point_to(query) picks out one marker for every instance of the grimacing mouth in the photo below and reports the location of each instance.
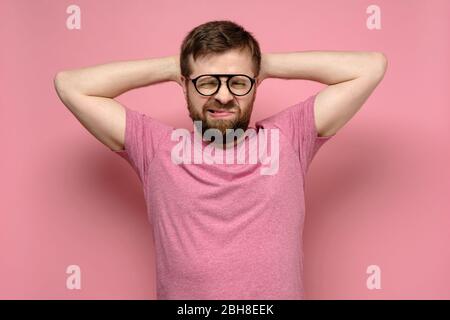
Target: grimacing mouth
(213, 110)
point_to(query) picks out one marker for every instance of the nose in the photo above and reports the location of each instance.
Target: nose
(224, 95)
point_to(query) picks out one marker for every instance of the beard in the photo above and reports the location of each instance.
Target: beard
(239, 120)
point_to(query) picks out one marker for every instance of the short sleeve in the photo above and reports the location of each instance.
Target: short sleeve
(143, 136)
(297, 124)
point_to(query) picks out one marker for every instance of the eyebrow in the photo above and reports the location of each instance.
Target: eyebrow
(221, 74)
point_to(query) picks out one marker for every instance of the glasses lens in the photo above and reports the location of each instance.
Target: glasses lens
(207, 85)
(239, 85)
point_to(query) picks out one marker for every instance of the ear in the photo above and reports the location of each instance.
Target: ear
(183, 84)
(258, 81)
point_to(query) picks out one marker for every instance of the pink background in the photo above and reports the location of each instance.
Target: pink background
(377, 194)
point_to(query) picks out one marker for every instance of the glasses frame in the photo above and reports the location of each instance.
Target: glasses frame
(220, 75)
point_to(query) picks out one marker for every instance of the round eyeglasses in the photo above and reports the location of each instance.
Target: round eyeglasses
(209, 84)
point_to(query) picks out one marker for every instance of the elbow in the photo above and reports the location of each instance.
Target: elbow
(62, 81)
(380, 63)
(59, 78)
(61, 85)
(382, 60)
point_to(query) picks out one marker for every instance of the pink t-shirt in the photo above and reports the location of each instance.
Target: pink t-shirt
(226, 231)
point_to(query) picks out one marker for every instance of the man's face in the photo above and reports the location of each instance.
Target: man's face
(230, 62)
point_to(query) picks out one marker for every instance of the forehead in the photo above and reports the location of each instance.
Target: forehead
(232, 61)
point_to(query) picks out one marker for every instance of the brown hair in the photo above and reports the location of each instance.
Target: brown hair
(217, 37)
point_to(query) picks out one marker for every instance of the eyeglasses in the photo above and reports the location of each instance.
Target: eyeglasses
(209, 84)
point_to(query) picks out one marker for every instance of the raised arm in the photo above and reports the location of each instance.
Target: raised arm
(351, 77)
(89, 93)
